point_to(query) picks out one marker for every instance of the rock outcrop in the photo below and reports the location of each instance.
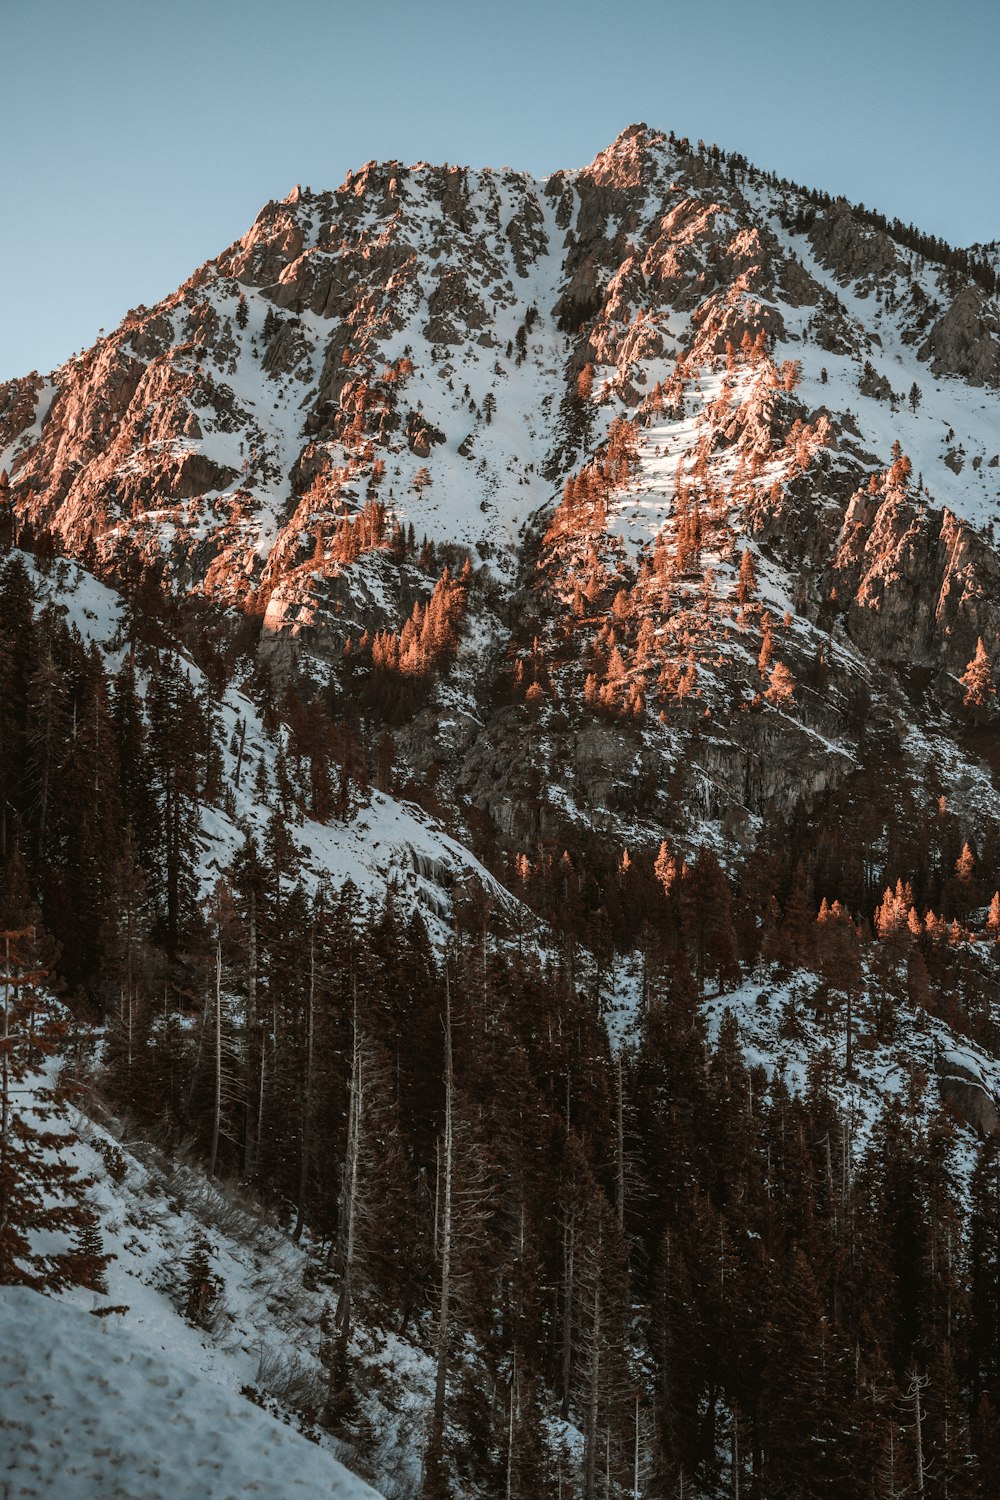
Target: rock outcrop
(962, 1086)
(965, 340)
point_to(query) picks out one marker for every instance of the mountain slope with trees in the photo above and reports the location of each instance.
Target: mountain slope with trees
(499, 763)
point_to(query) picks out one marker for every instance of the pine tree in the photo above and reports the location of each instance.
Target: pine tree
(708, 919)
(201, 1287)
(984, 1268)
(48, 736)
(993, 917)
(176, 737)
(248, 879)
(87, 819)
(603, 1383)
(781, 686)
(41, 1191)
(815, 1442)
(746, 583)
(89, 1257)
(435, 1480)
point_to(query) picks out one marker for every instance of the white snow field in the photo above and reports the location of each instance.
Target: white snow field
(87, 1412)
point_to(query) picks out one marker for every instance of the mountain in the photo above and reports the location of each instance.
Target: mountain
(409, 352)
(501, 741)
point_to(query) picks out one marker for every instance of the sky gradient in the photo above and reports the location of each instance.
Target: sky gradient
(139, 140)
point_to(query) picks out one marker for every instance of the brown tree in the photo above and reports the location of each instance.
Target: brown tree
(746, 583)
(781, 687)
(979, 687)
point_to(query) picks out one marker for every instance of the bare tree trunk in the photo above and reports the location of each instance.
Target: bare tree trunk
(129, 915)
(349, 1195)
(306, 1094)
(736, 1455)
(441, 1378)
(437, 1198)
(620, 1142)
(5, 1105)
(125, 1020)
(510, 1428)
(569, 1245)
(251, 1139)
(260, 1097)
(635, 1466)
(593, 1396)
(217, 1109)
(918, 1385)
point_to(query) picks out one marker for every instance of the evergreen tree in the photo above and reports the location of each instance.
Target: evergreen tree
(984, 1269)
(176, 737)
(41, 1191)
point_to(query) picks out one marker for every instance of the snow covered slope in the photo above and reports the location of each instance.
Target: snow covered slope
(131, 1391)
(381, 842)
(89, 1411)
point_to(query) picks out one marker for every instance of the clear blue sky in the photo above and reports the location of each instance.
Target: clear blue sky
(140, 138)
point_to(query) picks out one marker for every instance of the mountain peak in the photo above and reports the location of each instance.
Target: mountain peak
(626, 162)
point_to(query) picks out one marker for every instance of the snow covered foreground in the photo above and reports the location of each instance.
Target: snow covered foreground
(89, 1413)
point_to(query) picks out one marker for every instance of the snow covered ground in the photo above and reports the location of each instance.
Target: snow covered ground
(383, 842)
(88, 1411)
(97, 1406)
(906, 1064)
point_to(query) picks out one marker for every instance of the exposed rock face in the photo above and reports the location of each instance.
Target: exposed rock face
(18, 405)
(962, 1085)
(455, 310)
(434, 352)
(966, 340)
(850, 249)
(421, 434)
(924, 585)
